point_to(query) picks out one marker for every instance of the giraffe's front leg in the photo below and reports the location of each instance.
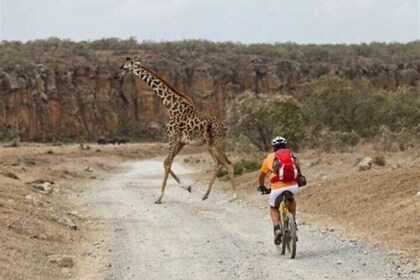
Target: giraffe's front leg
(165, 178)
(167, 165)
(187, 188)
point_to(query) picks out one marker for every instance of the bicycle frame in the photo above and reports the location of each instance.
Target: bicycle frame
(287, 226)
(283, 208)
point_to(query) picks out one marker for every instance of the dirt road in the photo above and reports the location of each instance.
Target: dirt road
(186, 238)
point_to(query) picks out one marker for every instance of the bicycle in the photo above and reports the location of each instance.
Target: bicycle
(287, 225)
(287, 222)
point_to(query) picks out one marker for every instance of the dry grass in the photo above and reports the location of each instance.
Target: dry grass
(380, 206)
(29, 233)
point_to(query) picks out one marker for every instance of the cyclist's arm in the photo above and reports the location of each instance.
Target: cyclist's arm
(261, 178)
(263, 172)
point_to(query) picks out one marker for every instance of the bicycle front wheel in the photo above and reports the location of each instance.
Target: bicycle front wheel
(289, 236)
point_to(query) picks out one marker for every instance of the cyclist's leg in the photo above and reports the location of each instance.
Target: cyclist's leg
(292, 202)
(292, 207)
(274, 206)
(275, 215)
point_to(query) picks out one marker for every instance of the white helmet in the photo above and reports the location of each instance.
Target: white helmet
(278, 141)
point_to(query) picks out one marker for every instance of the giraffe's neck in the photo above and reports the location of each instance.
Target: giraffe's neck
(171, 100)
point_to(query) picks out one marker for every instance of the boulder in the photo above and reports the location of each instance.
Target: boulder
(365, 164)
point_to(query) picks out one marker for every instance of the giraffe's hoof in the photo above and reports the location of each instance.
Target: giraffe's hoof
(158, 201)
(205, 197)
(235, 197)
(188, 189)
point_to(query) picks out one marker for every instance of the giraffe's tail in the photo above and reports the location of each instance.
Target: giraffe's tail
(209, 131)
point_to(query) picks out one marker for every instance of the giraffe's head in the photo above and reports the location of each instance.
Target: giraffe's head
(125, 69)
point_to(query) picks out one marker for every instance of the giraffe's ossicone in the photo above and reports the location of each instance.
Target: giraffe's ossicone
(186, 125)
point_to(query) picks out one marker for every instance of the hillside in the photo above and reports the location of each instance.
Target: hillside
(58, 90)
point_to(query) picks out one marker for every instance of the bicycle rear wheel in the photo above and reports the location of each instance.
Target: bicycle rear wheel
(289, 236)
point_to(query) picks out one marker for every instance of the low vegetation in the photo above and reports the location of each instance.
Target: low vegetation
(259, 117)
(390, 52)
(332, 114)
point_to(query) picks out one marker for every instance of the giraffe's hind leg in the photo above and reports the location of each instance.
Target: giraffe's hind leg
(229, 168)
(221, 160)
(212, 179)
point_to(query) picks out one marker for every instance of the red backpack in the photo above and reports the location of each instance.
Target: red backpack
(284, 167)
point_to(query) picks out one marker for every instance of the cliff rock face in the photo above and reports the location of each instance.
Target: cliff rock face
(81, 101)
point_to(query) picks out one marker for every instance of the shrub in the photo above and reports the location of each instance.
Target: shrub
(221, 173)
(393, 141)
(251, 165)
(401, 110)
(339, 105)
(333, 141)
(379, 160)
(260, 118)
(238, 168)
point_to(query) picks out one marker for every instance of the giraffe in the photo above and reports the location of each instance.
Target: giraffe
(186, 126)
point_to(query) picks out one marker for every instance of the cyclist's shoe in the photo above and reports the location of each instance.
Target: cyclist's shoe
(277, 237)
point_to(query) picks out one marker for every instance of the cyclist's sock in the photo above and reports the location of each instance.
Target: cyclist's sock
(276, 227)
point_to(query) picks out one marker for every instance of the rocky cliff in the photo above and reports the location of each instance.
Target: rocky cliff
(77, 99)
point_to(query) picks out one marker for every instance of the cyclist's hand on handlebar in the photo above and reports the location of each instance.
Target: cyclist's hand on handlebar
(264, 190)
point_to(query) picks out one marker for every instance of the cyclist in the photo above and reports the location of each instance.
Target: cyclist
(272, 165)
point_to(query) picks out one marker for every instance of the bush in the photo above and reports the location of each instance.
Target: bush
(335, 141)
(260, 118)
(401, 110)
(379, 160)
(334, 104)
(240, 167)
(393, 141)
(339, 105)
(251, 165)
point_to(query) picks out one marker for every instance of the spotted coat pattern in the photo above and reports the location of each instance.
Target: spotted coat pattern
(186, 126)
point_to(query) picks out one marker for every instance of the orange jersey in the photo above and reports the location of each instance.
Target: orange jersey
(267, 167)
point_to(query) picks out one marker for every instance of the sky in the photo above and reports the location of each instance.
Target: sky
(244, 21)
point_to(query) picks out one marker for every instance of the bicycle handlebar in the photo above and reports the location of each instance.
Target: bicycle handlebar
(264, 190)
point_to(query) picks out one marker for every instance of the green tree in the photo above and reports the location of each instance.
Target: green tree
(259, 118)
(339, 105)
